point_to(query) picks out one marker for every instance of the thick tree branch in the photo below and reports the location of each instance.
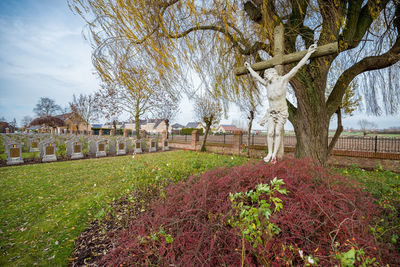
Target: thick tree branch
(257, 9)
(359, 21)
(296, 21)
(353, 12)
(308, 35)
(369, 63)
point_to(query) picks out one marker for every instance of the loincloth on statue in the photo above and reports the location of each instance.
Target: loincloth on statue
(278, 116)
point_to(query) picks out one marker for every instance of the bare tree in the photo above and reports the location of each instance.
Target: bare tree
(167, 109)
(46, 107)
(366, 125)
(209, 111)
(84, 107)
(248, 103)
(13, 125)
(26, 120)
(173, 32)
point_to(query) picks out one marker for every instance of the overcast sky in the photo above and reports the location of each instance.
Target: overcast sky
(43, 54)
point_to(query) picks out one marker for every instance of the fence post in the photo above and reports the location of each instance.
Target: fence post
(376, 143)
(224, 138)
(195, 139)
(237, 141)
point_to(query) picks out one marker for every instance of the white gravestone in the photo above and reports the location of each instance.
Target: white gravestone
(14, 153)
(74, 149)
(165, 144)
(48, 151)
(153, 145)
(121, 147)
(138, 144)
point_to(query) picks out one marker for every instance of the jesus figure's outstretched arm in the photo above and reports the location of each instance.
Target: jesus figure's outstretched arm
(301, 63)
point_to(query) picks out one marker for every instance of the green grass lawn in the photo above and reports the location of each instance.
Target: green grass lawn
(385, 187)
(44, 207)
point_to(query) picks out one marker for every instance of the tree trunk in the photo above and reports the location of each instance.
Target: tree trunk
(203, 145)
(167, 126)
(312, 139)
(311, 125)
(311, 119)
(137, 127)
(251, 118)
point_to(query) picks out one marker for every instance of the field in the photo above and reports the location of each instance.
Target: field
(44, 207)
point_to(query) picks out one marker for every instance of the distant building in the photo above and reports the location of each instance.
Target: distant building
(97, 125)
(226, 128)
(3, 126)
(110, 125)
(59, 123)
(153, 126)
(72, 122)
(177, 126)
(195, 125)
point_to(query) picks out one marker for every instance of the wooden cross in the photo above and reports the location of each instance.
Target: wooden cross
(281, 59)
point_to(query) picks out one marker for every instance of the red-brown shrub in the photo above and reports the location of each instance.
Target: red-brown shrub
(321, 215)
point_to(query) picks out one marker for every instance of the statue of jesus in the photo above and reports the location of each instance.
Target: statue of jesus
(277, 113)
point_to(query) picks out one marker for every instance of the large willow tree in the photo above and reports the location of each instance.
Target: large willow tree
(174, 32)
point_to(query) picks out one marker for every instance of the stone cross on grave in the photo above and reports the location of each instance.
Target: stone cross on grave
(276, 83)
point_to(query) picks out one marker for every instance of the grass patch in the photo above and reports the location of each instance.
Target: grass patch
(385, 187)
(44, 207)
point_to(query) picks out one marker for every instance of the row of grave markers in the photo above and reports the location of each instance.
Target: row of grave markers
(98, 147)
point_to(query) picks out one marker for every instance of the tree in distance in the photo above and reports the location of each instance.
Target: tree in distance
(209, 111)
(46, 107)
(366, 126)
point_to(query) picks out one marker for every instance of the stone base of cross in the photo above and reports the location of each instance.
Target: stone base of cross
(281, 59)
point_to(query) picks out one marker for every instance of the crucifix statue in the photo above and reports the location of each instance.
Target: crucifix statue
(276, 84)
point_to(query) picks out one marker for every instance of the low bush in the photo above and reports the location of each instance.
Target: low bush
(323, 219)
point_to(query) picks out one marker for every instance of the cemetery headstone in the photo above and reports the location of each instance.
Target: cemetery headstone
(138, 146)
(121, 147)
(74, 149)
(34, 145)
(14, 153)
(48, 151)
(153, 145)
(165, 145)
(98, 148)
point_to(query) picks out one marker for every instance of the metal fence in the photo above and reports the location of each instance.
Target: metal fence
(349, 143)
